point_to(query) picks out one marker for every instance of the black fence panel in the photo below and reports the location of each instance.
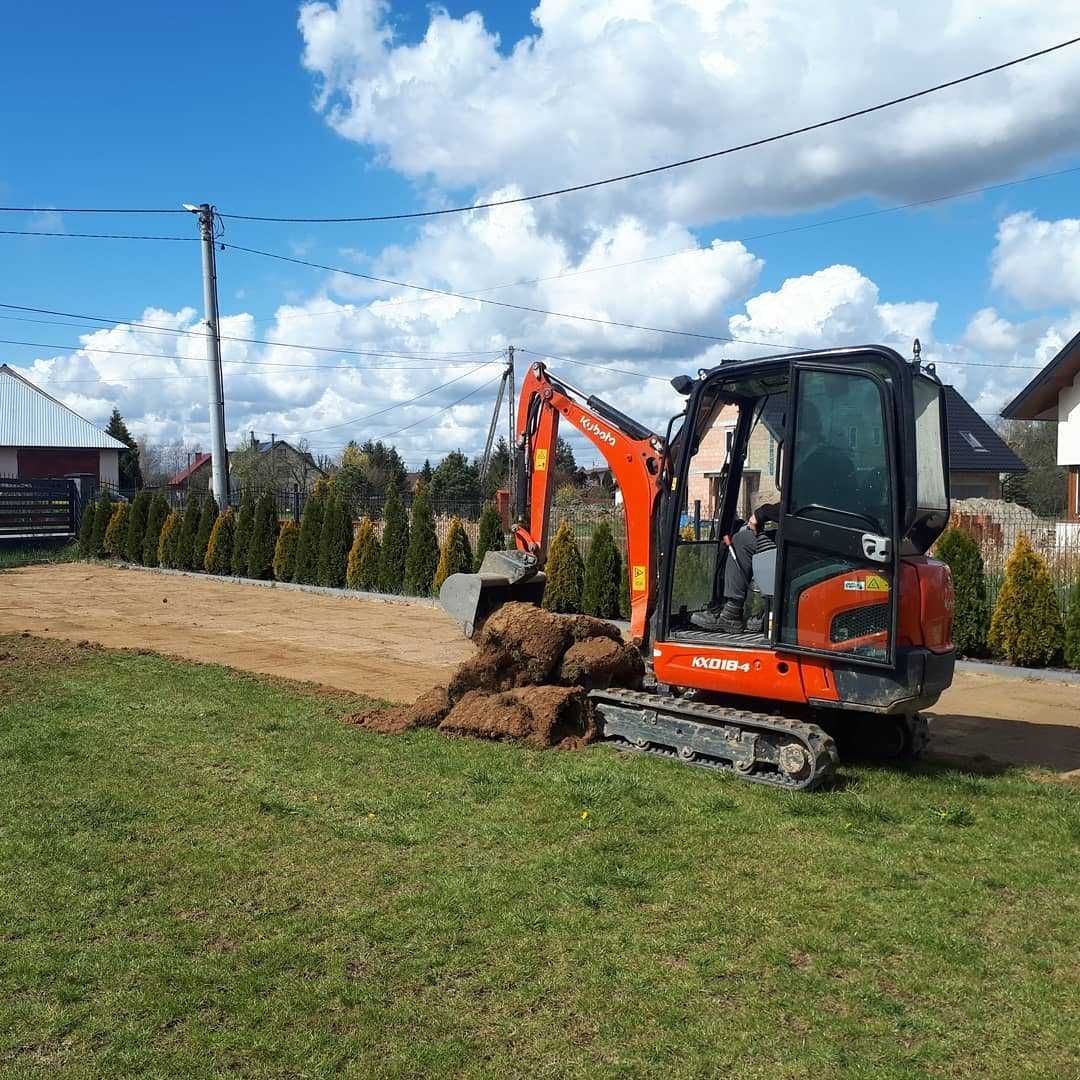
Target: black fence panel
(38, 508)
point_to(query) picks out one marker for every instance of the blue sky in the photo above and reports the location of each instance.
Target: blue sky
(131, 104)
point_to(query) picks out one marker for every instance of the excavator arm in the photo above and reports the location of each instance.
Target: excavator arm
(636, 456)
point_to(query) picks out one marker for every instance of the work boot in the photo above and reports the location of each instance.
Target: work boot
(727, 620)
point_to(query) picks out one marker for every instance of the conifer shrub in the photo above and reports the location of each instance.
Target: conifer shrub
(367, 562)
(1072, 627)
(307, 544)
(140, 510)
(334, 542)
(168, 553)
(456, 554)
(102, 517)
(624, 590)
(185, 542)
(86, 529)
(395, 545)
(971, 615)
(155, 522)
(219, 548)
(208, 516)
(242, 534)
(361, 545)
(603, 568)
(285, 551)
(491, 536)
(116, 531)
(422, 558)
(565, 573)
(1026, 626)
(264, 532)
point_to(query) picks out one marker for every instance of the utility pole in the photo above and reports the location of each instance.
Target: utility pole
(219, 460)
(511, 405)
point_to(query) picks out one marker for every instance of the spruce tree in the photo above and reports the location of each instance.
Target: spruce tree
(185, 542)
(116, 531)
(86, 529)
(130, 472)
(155, 521)
(307, 544)
(395, 544)
(1072, 627)
(422, 558)
(491, 536)
(971, 613)
(565, 573)
(1026, 626)
(168, 553)
(207, 519)
(603, 568)
(456, 554)
(264, 531)
(285, 551)
(242, 534)
(334, 542)
(361, 542)
(220, 547)
(102, 517)
(140, 510)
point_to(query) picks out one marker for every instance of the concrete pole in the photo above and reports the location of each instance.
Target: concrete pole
(219, 460)
(512, 403)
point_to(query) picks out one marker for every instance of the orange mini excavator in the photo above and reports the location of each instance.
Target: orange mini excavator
(854, 623)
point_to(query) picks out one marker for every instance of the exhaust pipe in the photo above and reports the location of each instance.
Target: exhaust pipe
(504, 576)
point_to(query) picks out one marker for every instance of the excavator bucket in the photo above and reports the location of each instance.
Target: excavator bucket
(503, 576)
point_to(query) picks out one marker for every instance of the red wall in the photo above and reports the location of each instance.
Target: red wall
(46, 463)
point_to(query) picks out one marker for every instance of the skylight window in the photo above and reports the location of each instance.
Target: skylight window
(973, 442)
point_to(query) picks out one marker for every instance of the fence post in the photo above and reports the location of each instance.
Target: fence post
(296, 503)
(697, 519)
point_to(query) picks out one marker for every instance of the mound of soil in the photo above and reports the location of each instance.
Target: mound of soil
(527, 682)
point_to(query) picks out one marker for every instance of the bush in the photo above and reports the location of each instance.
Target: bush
(1026, 627)
(264, 530)
(491, 536)
(624, 590)
(140, 511)
(307, 544)
(219, 549)
(395, 543)
(116, 531)
(155, 522)
(168, 553)
(102, 517)
(971, 615)
(1072, 627)
(422, 558)
(86, 529)
(334, 542)
(242, 534)
(185, 542)
(362, 568)
(207, 520)
(456, 554)
(285, 551)
(565, 573)
(603, 568)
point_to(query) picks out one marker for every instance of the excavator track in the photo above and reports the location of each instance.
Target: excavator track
(762, 749)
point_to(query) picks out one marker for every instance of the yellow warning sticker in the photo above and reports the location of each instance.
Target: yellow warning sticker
(541, 460)
(876, 583)
(639, 579)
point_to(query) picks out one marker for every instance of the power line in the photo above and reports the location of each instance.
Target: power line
(91, 236)
(672, 164)
(599, 367)
(84, 210)
(445, 408)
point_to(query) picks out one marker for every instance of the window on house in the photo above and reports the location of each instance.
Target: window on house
(730, 435)
(973, 442)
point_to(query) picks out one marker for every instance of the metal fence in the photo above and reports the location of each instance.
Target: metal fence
(38, 509)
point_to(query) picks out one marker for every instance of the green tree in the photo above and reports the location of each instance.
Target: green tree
(102, 517)
(455, 480)
(219, 549)
(498, 473)
(491, 536)
(624, 590)
(245, 521)
(264, 532)
(307, 545)
(207, 519)
(86, 529)
(168, 553)
(116, 531)
(456, 554)
(1072, 627)
(334, 542)
(565, 573)
(395, 543)
(361, 542)
(426, 472)
(130, 470)
(185, 542)
(155, 520)
(971, 614)
(140, 510)
(1042, 489)
(285, 551)
(1026, 626)
(603, 568)
(422, 557)
(566, 469)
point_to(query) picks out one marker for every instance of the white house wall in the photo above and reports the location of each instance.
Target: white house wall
(1069, 424)
(109, 467)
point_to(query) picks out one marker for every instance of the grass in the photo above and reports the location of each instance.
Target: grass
(207, 874)
(13, 556)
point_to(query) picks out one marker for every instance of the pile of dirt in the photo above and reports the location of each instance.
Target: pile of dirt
(528, 681)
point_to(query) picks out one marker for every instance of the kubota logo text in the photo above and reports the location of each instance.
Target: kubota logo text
(598, 431)
(718, 663)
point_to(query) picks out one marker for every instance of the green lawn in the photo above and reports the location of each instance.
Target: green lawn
(207, 874)
(13, 555)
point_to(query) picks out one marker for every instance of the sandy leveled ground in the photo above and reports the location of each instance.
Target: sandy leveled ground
(397, 651)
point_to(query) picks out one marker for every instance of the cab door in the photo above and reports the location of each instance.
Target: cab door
(838, 543)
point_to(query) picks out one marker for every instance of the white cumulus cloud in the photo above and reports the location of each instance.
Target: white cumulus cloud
(1038, 262)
